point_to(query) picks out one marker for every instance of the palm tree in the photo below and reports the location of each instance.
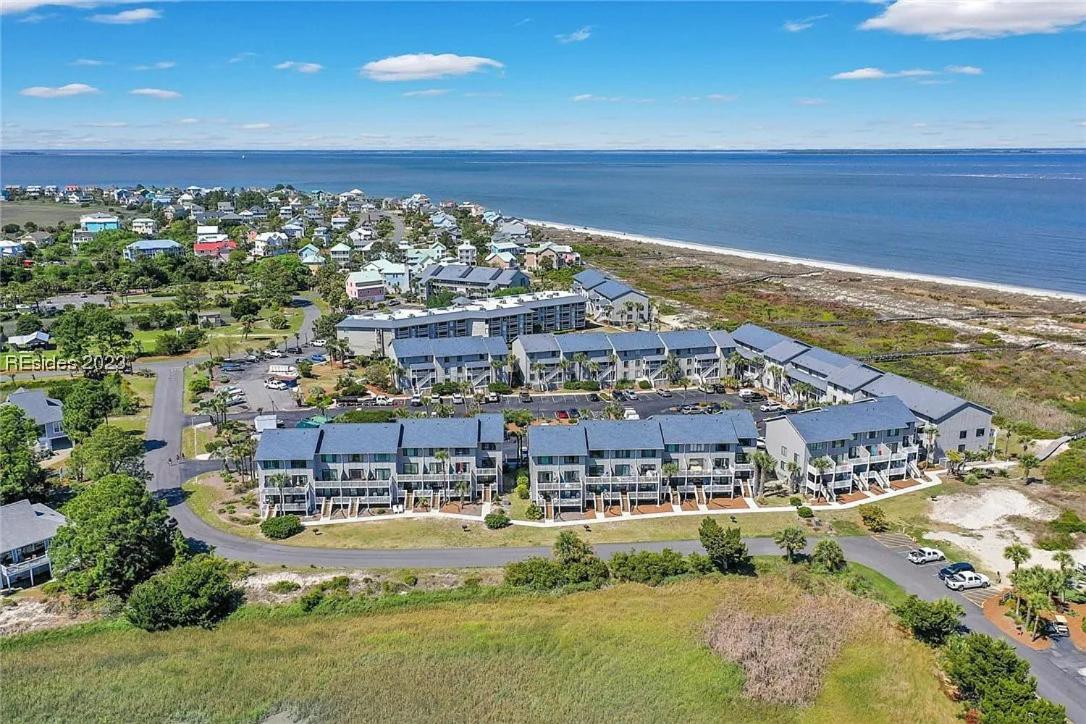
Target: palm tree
(1017, 554)
(764, 462)
(794, 470)
(594, 370)
(1028, 463)
(822, 464)
(462, 488)
(931, 436)
(1066, 562)
(280, 481)
(580, 359)
(613, 411)
(442, 456)
(735, 361)
(790, 540)
(670, 368)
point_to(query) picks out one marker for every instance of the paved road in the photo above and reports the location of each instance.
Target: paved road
(1057, 670)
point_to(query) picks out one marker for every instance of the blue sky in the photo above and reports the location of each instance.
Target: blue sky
(736, 75)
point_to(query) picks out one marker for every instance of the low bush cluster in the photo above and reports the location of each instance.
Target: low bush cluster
(195, 592)
(932, 622)
(574, 564)
(533, 512)
(281, 526)
(874, 518)
(804, 511)
(499, 388)
(284, 587)
(586, 385)
(497, 519)
(654, 568)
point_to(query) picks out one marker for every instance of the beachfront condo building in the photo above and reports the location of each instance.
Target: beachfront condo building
(548, 361)
(800, 373)
(345, 470)
(473, 362)
(611, 301)
(469, 281)
(505, 317)
(622, 464)
(842, 449)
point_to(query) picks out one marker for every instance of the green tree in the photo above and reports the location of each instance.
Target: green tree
(117, 536)
(790, 540)
(725, 548)
(244, 306)
(932, 622)
(828, 556)
(1029, 463)
(87, 404)
(1017, 554)
(108, 450)
(20, 475)
(197, 591)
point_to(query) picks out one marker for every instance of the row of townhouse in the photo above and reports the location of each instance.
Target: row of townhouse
(625, 463)
(346, 469)
(547, 361)
(472, 361)
(505, 317)
(612, 301)
(799, 373)
(840, 449)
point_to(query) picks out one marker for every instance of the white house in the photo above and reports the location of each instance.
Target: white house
(152, 247)
(47, 414)
(270, 243)
(144, 226)
(10, 248)
(26, 529)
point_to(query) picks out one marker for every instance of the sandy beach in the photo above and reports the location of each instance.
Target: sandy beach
(816, 263)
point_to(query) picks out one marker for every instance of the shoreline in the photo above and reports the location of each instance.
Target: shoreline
(816, 263)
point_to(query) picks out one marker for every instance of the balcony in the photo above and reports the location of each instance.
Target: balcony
(286, 490)
(15, 569)
(605, 479)
(450, 477)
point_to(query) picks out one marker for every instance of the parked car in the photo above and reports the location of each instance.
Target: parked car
(274, 353)
(458, 399)
(231, 367)
(525, 397)
(561, 415)
(664, 393)
(631, 395)
(416, 401)
(275, 384)
(573, 414)
(593, 397)
(717, 388)
(251, 358)
(319, 342)
(969, 579)
(493, 397)
(771, 407)
(954, 569)
(1059, 626)
(382, 400)
(317, 358)
(630, 414)
(920, 556)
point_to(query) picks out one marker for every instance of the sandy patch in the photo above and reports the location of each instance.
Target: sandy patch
(27, 616)
(257, 586)
(985, 531)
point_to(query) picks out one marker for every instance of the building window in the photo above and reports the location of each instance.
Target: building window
(961, 448)
(962, 435)
(981, 431)
(544, 460)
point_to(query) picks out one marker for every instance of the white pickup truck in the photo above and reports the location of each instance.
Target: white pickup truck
(920, 556)
(967, 579)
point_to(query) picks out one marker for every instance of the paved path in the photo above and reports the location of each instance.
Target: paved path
(1056, 669)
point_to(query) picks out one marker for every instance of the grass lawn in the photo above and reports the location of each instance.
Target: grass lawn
(193, 440)
(628, 653)
(145, 388)
(429, 533)
(48, 213)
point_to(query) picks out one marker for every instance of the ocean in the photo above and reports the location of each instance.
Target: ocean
(1009, 217)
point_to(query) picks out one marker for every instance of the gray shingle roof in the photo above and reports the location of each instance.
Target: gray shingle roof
(557, 440)
(448, 347)
(38, 406)
(613, 290)
(491, 427)
(706, 429)
(923, 400)
(840, 422)
(623, 435)
(784, 351)
(587, 342)
(757, 337)
(440, 432)
(23, 523)
(627, 341)
(687, 339)
(340, 438)
(590, 278)
(538, 342)
(292, 444)
(854, 376)
(823, 361)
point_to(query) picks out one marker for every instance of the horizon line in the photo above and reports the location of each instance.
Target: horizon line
(929, 149)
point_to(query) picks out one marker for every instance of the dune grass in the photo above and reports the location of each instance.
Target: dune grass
(628, 653)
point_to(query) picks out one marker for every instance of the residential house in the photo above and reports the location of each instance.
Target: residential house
(311, 256)
(341, 254)
(152, 247)
(216, 248)
(26, 530)
(270, 243)
(366, 285)
(506, 317)
(549, 255)
(340, 222)
(46, 412)
(144, 226)
(99, 221)
(34, 340)
(466, 253)
(474, 362)
(321, 235)
(842, 449)
(397, 276)
(342, 470)
(40, 239)
(503, 260)
(612, 301)
(11, 248)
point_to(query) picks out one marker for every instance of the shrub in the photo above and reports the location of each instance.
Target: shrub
(644, 384)
(284, 587)
(699, 564)
(411, 579)
(971, 479)
(195, 592)
(496, 519)
(533, 512)
(648, 566)
(874, 518)
(281, 526)
(930, 621)
(540, 574)
(523, 491)
(586, 385)
(828, 556)
(804, 512)
(199, 385)
(500, 388)
(574, 564)
(278, 321)
(725, 548)
(795, 501)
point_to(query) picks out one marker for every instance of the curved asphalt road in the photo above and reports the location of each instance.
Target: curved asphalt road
(1057, 669)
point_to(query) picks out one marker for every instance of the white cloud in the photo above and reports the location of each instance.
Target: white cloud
(106, 124)
(160, 65)
(798, 26)
(88, 62)
(72, 89)
(155, 93)
(127, 17)
(522, 22)
(717, 97)
(592, 98)
(429, 92)
(577, 36)
(188, 121)
(241, 57)
(811, 101)
(254, 126)
(878, 74)
(34, 17)
(300, 66)
(959, 19)
(964, 69)
(422, 66)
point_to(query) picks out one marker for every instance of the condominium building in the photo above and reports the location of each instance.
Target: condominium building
(469, 281)
(800, 373)
(152, 247)
(472, 361)
(346, 469)
(547, 361)
(610, 300)
(840, 449)
(506, 317)
(625, 463)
